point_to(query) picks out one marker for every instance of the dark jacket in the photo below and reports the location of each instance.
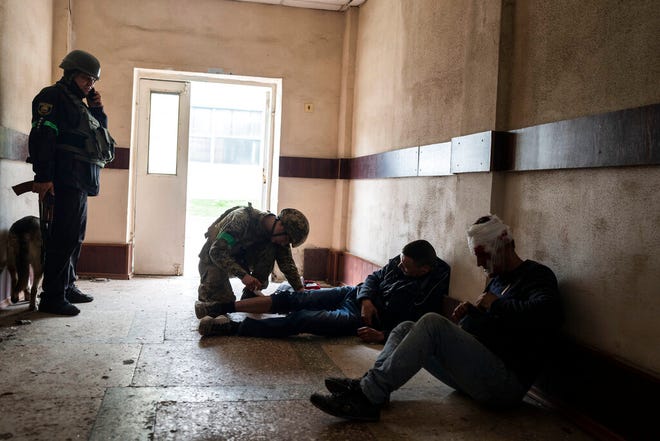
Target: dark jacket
(398, 297)
(55, 117)
(521, 324)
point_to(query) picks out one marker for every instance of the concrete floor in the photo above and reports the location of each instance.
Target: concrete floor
(132, 366)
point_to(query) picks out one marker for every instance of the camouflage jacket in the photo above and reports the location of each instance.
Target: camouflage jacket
(240, 233)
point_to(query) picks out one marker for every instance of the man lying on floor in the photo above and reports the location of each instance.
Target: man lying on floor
(408, 287)
(493, 355)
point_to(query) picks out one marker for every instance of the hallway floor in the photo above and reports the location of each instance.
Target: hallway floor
(132, 366)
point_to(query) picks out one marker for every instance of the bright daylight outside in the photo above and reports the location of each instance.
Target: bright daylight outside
(225, 157)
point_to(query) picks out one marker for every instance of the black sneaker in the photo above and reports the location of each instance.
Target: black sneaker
(58, 308)
(75, 295)
(350, 405)
(339, 385)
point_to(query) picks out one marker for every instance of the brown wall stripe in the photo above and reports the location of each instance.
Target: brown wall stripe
(622, 138)
(295, 167)
(122, 159)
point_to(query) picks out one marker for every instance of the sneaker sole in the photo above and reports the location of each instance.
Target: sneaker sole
(208, 327)
(332, 412)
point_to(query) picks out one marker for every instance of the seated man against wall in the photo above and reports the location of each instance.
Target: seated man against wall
(409, 286)
(493, 355)
(245, 243)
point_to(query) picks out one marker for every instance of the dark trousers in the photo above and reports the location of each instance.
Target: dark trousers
(67, 232)
(329, 312)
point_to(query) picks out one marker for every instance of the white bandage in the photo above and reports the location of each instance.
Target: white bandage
(491, 235)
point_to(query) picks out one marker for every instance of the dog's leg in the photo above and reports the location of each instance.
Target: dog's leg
(13, 249)
(37, 267)
(37, 275)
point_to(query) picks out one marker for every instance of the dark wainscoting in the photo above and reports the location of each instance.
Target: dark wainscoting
(111, 260)
(315, 263)
(317, 168)
(347, 269)
(393, 164)
(608, 399)
(122, 159)
(622, 138)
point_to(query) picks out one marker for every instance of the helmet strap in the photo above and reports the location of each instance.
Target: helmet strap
(272, 230)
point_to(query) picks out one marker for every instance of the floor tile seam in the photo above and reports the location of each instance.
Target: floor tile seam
(192, 395)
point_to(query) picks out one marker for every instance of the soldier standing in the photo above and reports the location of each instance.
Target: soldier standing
(68, 145)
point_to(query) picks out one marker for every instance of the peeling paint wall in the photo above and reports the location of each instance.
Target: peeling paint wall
(431, 70)
(25, 59)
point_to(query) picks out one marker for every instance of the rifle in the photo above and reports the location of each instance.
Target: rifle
(23, 187)
(46, 208)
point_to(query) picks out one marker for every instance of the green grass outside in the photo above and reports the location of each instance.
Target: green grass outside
(211, 207)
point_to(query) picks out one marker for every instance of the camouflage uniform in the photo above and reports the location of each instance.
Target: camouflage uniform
(237, 244)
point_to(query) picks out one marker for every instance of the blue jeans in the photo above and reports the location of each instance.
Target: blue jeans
(450, 354)
(327, 312)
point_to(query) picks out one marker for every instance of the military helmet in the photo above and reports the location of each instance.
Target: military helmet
(295, 224)
(82, 61)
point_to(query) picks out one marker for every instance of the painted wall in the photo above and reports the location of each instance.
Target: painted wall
(25, 59)
(301, 46)
(427, 71)
(597, 228)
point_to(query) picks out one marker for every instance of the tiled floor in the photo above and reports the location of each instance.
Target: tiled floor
(132, 366)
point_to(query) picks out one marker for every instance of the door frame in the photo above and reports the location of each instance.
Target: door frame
(271, 168)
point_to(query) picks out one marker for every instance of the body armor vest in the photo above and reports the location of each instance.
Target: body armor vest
(97, 146)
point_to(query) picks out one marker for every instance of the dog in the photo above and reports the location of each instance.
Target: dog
(24, 251)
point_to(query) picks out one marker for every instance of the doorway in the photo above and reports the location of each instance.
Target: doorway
(202, 143)
(229, 131)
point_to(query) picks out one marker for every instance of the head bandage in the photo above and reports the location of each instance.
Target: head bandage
(491, 235)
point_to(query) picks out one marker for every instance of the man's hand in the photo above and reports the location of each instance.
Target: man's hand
(368, 312)
(251, 283)
(42, 188)
(460, 311)
(485, 300)
(94, 99)
(370, 335)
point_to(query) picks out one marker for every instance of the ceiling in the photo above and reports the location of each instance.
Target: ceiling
(328, 5)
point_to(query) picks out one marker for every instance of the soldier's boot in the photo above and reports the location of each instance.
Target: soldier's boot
(212, 309)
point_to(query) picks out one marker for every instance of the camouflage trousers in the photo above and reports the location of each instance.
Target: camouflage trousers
(214, 284)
